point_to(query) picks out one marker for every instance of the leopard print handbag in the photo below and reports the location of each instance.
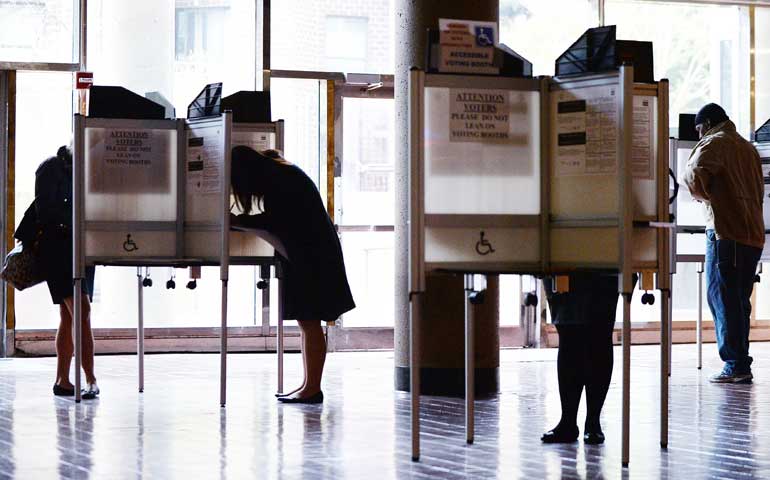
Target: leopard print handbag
(22, 268)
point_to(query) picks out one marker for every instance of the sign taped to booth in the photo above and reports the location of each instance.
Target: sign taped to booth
(484, 116)
(586, 138)
(129, 160)
(205, 156)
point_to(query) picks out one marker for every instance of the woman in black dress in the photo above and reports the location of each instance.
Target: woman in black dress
(53, 206)
(584, 318)
(288, 205)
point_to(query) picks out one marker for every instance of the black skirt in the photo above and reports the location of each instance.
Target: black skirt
(592, 299)
(56, 254)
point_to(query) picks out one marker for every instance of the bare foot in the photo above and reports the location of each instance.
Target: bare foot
(301, 393)
(287, 394)
(65, 384)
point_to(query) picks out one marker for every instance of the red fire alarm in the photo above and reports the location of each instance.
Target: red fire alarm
(84, 80)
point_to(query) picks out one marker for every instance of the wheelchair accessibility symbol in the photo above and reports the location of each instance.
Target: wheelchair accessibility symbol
(484, 36)
(129, 245)
(483, 247)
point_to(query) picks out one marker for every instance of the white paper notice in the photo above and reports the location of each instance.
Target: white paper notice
(255, 140)
(642, 151)
(481, 116)
(586, 131)
(130, 161)
(205, 155)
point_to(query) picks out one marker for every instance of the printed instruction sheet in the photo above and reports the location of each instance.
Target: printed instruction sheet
(205, 155)
(586, 131)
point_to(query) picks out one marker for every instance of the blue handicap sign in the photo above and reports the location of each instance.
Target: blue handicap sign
(484, 36)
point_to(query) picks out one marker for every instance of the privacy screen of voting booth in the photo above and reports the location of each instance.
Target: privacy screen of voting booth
(689, 242)
(539, 176)
(762, 144)
(154, 191)
(209, 134)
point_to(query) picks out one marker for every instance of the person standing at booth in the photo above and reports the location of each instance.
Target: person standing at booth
(287, 204)
(724, 172)
(584, 316)
(53, 207)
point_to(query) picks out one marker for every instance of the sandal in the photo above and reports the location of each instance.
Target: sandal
(90, 392)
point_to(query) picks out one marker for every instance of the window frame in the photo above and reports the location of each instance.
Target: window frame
(341, 338)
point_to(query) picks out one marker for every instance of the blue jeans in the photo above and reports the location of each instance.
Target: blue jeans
(730, 270)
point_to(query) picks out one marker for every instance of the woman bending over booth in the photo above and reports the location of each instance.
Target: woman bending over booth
(279, 197)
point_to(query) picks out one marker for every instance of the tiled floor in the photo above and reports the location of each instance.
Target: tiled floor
(177, 430)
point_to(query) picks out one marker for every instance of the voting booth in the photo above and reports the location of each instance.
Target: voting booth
(156, 192)
(763, 148)
(688, 239)
(539, 176)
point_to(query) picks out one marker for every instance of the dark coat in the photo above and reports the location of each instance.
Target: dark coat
(53, 208)
(592, 299)
(315, 283)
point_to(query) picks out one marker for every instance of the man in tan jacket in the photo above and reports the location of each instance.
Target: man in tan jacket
(725, 173)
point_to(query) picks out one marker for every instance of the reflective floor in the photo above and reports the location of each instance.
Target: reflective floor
(175, 429)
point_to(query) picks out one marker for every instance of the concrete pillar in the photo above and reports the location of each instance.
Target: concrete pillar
(442, 338)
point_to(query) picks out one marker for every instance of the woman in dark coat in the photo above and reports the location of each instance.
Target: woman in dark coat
(584, 317)
(53, 206)
(289, 206)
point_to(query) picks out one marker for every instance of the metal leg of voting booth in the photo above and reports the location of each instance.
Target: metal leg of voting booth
(223, 348)
(665, 361)
(699, 321)
(78, 332)
(470, 368)
(279, 333)
(415, 313)
(626, 376)
(263, 285)
(140, 327)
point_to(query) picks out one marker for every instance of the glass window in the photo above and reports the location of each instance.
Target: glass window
(200, 33)
(369, 264)
(702, 49)
(41, 31)
(541, 31)
(43, 124)
(762, 82)
(333, 35)
(511, 287)
(367, 190)
(212, 43)
(366, 197)
(182, 47)
(346, 43)
(299, 103)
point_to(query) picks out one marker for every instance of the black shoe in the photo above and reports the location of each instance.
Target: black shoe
(90, 392)
(560, 435)
(317, 398)
(60, 391)
(593, 438)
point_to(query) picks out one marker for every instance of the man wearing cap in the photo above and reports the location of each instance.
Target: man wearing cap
(725, 173)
